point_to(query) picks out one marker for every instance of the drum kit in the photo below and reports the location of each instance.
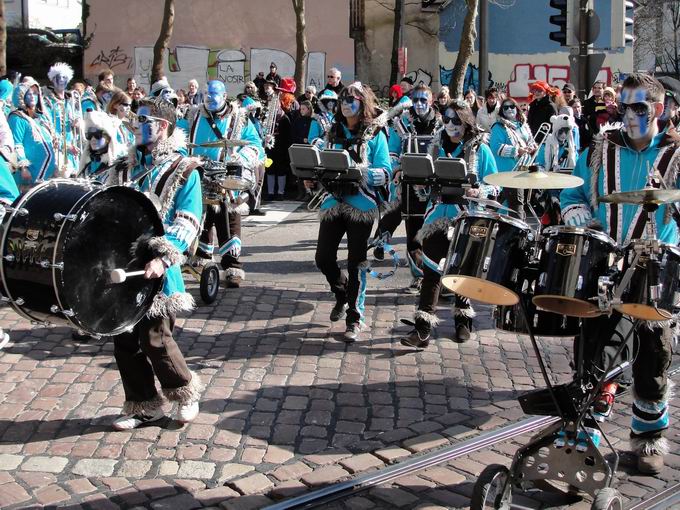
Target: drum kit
(544, 283)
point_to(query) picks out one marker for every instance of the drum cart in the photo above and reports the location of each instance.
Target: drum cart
(208, 278)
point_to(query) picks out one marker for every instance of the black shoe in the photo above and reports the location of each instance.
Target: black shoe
(79, 336)
(416, 339)
(279, 197)
(257, 212)
(269, 197)
(463, 328)
(352, 332)
(379, 253)
(338, 311)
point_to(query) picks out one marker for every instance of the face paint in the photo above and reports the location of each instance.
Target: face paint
(562, 135)
(350, 106)
(509, 111)
(123, 110)
(59, 82)
(31, 98)
(215, 96)
(637, 112)
(166, 93)
(98, 144)
(670, 108)
(453, 125)
(148, 132)
(421, 103)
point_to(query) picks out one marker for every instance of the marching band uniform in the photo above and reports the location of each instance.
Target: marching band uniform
(323, 119)
(609, 165)
(33, 139)
(103, 151)
(439, 218)
(150, 348)
(231, 122)
(352, 209)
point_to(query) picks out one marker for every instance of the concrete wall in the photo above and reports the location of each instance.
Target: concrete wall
(216, 38)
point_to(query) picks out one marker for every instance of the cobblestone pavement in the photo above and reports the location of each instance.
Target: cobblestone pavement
(288, 406)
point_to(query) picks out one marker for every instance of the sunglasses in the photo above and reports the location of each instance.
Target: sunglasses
(126, 104)
(94, 134)
(455, 120)
(144, 119)
(639, 109)
(349, 99)
(419, 100)
(330, 76)
(509, 107)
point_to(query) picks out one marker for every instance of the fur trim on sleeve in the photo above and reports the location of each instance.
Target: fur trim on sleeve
(161, 247)
(190, 392)
(164, 306)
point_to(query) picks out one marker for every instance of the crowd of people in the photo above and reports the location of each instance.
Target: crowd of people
(163, 141)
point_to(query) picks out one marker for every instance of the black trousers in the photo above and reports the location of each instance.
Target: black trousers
(148, 350)
(228, 227)
(350, 288)
(390, 222)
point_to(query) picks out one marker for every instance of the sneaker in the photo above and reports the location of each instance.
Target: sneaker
(416, 339)
(187, 412)
(233, 281)
(352, 332)
(651, 463)
(379, 253)
(4, 339)
(338, 311)
(133, 421)
(415, 286)
(463, 327)
(605, 400)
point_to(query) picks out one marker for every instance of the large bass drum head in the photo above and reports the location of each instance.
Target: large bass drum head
(103, 239)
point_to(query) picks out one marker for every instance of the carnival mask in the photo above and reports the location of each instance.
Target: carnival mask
(453, 125)
(98, 140)
(60, 82)
(147, 128)
(636, 111)
(421, 103)
(31, 98)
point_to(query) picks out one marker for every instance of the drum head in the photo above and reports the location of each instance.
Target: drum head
(480, 290)
(644, 312)
(567, 306)
(101, 240)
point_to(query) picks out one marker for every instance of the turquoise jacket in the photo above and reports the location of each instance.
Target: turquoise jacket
(626, 172)
(63, 115)
(33, 146)
(506, 138)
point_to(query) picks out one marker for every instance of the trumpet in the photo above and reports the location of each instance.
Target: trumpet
(526, 159)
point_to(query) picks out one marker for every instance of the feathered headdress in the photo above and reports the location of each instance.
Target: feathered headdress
(61, 68)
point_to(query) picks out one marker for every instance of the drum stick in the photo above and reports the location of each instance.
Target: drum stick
(119, 275)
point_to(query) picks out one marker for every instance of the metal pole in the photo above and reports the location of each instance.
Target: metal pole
(483, 45)
(583, 48)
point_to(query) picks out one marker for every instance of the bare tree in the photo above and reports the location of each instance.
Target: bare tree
(163, 40)
(3, 39)
(465, 50)
(301, 43)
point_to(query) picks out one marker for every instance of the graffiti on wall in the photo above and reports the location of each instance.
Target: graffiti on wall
(420, 76)
(113, 58)
(471, 80)
(186, 62)
(524, 74)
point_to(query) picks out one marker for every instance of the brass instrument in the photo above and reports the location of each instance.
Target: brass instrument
(269, 123)
(526, 159)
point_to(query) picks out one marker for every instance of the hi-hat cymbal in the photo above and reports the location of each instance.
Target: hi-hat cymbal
(533, 180)
(642, 196)
(220, 143)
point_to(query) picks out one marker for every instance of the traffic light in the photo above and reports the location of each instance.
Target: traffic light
(565, 22)
(622, 22)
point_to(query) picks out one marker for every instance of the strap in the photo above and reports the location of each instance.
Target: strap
(381, 241)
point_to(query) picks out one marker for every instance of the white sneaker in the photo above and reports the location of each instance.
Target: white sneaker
(133, 421)
(187, 412)
(4, 338)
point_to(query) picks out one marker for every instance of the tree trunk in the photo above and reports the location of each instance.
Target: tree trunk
(398, 13)
(465, 49)
(163, 41)
(3, 39)
(301, 43)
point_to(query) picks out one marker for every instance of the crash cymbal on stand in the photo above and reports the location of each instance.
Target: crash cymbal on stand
(642, 196)
(533, 180)
(220, 143)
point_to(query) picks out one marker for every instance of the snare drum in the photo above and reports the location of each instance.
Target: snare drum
(571, 261)
(235, 180)
(486, 252)
(636, 299)
(510, 318)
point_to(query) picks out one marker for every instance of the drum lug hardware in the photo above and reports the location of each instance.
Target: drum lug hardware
(56, 309)
(19, 301)
(66, 217)
(22, 211)
(541, 279)
(5, 299)
(604, 296)
(487, 263)
(9, 257)
(515, 275)
(47, 264)
(586, 246)
(579, 283)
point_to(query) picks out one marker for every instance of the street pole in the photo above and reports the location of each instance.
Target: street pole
(583, 49)
(483, 45)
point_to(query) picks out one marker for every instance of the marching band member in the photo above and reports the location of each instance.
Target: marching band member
(618, 160)
(103, 148)
(460, 138)
(323, 119)
(63, 110)
(33, 135)
(6, 89)
(216, 119)
(351, 208)
(149, 349)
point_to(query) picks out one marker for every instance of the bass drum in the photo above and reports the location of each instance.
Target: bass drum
(59, 245)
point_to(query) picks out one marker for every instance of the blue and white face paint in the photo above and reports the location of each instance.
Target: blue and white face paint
(215, 96)
(31, 97)
(421, 102)
(59, 81)
(350, 106)
(146, 133)
(670, 107)
(637, 112)
(453, 125)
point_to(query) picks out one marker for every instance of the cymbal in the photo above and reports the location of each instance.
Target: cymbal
(533, 180)
(642, 196)
(220, 143)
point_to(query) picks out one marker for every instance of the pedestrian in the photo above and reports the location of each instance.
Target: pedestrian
(194, 96)
(395, 95)
(471, 99)
(302, 120)
(584, 134)
(334, 80)
(309, 95)
(273, 75)
(541, 108)
(120, 109)
(406, 85)
(488, 113)
(106, 77)
(130, 86)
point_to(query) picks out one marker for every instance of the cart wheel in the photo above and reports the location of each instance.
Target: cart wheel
(488, 490)
(210, 283)
(607, 499)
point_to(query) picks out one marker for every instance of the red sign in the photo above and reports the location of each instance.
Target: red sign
(402, 60)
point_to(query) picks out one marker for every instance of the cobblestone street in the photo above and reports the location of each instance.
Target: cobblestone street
(288, 406)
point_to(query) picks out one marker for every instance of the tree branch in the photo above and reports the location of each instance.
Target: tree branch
(427, 32)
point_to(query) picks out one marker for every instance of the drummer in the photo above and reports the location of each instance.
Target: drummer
(618, 160)
(216, 119)
(460, 138)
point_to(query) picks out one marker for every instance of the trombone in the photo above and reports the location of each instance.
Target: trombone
(526, 159)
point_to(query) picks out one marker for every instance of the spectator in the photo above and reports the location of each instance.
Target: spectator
(669, 117)
(259, 82)
(273, 74)
(581, 122)
(471, 99)
(591, 105)
(334, 80)
(540, 108)
(280, 168)
(606, 113)
(131, 86)
(79, 86)
(488, 113)
(443, 100)
(302, 120)
(182, 97)
(106, 77)
(395, 95)
(406, 85)
(309, 95)
(137, 96)
(194, 96)
(569, 92)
